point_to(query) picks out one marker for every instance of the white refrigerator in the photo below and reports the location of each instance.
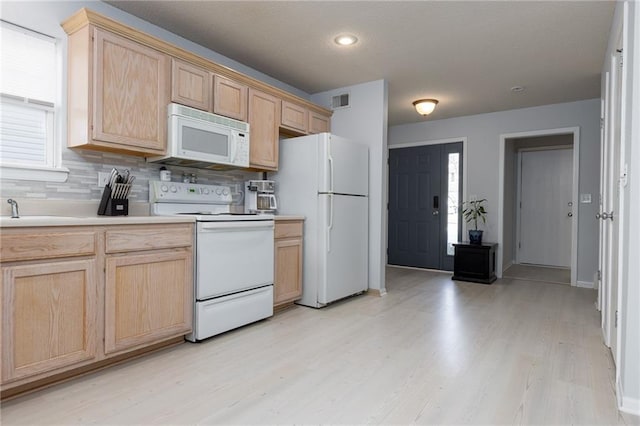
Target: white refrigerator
(326, 178)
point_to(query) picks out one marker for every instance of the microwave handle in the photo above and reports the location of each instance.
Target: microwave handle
(234, 147)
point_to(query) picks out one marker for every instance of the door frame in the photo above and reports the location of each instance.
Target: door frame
(462, 139)
(576, 174)
(614, 118)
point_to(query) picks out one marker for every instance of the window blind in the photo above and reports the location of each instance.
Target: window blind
(23, 132)
(28, 67)
(28, 92)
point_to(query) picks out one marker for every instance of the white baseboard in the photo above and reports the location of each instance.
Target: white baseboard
(584, 284)
(626, 404)
(507, 266)
(377, 292)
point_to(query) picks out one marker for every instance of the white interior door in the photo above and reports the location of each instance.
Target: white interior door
(546, 207)
(610, 205)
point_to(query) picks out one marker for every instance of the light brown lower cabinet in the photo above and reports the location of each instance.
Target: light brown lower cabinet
(147, 297)
(126, 288)
(287, 286)
(49, 316)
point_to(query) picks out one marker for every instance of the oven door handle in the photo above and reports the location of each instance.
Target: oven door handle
(235, 226)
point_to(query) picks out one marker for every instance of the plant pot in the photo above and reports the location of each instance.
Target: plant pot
(475, 236)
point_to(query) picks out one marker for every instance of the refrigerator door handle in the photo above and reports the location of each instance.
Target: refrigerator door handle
(330, 158)
(330, 227)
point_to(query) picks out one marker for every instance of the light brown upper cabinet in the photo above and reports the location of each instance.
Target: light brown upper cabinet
(190, 85)
(229, 98)
(264, 120)
(118, 93)
(294, 117)
(120, 81)
(319, 123)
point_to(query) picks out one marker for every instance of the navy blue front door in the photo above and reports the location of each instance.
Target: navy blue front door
(418, 206)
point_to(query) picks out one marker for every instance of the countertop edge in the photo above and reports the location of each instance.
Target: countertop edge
(288, 217)
(41, 221)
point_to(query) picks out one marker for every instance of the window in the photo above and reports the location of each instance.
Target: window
(28, 92)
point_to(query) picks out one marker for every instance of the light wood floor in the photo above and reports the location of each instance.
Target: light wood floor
(538, 273)
(432, 351)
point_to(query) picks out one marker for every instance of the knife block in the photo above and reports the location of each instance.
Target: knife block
(112, 207)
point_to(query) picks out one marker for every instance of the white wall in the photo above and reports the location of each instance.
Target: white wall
(365, 121)
(483, 132)
(627, 20)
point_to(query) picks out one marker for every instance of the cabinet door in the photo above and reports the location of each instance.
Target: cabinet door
(148, 298)
(294, 117)
(288, 271)
(229, 98)
(131, 93)
(319, 123)
(264, 120)
(48, 317)
(190, 85)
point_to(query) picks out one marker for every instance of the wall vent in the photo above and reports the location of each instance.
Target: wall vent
(340, 101)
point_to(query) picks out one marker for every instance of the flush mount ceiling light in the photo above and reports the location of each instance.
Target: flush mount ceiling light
(425, 106)
(346, 40)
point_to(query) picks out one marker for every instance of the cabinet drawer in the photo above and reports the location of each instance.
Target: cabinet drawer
(288, 229)
(151, 237)
(46, 245)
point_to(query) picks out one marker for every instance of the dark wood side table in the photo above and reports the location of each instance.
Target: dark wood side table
(475, 262)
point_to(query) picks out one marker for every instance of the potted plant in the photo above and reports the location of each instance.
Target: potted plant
(473, 211)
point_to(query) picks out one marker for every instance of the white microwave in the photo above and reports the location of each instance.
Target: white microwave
(200, 139)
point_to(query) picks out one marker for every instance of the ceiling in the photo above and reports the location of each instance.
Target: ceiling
(468, 55)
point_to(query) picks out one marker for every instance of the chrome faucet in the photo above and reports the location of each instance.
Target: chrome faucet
(14, 208)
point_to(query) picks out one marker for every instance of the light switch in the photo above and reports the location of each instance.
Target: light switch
(585, 198)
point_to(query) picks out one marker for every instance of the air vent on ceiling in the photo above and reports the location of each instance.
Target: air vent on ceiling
(340, 101)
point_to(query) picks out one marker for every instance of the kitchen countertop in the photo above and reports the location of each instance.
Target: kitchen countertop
(26, 221)
(35, 212)
(288, 217)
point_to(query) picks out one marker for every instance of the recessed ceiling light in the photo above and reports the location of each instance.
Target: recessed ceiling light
(346, 40)
(517, 89)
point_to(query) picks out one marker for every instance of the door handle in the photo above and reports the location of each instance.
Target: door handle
(435, 213)
(436, 202)
(606, 216)
(597, 215)
(570, 214)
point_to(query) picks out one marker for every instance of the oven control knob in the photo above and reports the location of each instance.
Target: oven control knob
(218, 191)
(225, 191)
(164, 188)
(206, 191)
(174, 189)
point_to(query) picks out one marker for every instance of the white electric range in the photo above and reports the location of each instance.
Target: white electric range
(233, 256)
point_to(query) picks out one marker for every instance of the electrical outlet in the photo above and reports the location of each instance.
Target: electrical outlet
(103, 179)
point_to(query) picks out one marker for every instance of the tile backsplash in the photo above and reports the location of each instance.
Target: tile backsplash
(82, 183)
